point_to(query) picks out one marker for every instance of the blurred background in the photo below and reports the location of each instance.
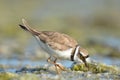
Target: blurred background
(95, 24)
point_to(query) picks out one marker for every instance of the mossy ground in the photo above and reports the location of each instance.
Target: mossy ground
(7, 76)
(78, 71)
(96, 68)
(14, 76)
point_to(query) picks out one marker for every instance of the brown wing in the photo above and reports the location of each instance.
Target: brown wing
(57, 40)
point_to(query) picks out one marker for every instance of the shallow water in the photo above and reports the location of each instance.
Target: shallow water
(14, 64)
(107, 60)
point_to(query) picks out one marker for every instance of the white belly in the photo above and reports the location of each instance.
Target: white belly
(60, 54)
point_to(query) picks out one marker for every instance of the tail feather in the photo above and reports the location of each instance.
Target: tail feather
(23, 27)
(26, 27)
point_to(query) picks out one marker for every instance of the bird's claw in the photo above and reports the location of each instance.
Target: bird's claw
(58, 67)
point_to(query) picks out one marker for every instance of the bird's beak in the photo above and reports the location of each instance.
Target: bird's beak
(85, 62)
(83, 58)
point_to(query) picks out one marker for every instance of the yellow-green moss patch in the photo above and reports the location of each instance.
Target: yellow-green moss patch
(95, 68)
(7, 76)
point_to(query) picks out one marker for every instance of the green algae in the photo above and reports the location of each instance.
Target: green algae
(96, 68)
(7, 76)
(14, 76)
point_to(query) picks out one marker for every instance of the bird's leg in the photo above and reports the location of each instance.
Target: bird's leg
(48, 60)
(57, 65)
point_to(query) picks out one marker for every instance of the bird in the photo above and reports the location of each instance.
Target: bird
(58, 45)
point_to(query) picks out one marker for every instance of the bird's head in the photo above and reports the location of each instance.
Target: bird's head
(81, 55)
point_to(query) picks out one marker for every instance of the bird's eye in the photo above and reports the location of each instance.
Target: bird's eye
(81, 56)
(87, 56)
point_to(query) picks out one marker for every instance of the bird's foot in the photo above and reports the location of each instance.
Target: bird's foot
(59, 67)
